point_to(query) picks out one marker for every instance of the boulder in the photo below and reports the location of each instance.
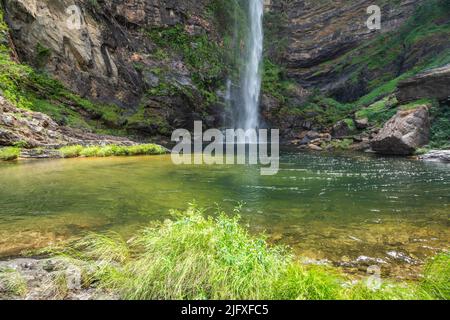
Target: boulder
(437, 155)
(404, 133)
(314, 147)
(340, 130)
(433, 84)
(362, 124)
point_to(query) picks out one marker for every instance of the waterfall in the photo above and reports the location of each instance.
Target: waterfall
(251, 75)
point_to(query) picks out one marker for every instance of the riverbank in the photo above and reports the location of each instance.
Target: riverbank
(197, 257)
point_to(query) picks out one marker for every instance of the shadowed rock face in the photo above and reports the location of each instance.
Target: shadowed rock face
(432, 84)
(404, 133)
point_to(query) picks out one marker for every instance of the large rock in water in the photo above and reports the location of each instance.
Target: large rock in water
(437, 155)
(434, 84)
(404, 133)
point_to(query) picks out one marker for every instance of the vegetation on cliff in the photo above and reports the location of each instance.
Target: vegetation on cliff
(199, 257)
(374, 70)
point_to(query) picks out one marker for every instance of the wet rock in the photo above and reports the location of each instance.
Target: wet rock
(437, 155)
(404, 133)
(361, 146)
(362, 124)
(431, 84)
(313, 135)
(314, 147)
(402, 257)
(340, 130)
(326, 137)
(150, 79)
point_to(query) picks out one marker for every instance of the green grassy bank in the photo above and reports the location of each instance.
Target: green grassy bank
(199, 257)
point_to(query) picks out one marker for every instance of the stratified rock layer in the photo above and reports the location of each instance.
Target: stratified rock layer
(432, 84)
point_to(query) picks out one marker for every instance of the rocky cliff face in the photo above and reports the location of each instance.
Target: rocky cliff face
(321, 33)
(110, 58)
(164, 62)
(97, 59)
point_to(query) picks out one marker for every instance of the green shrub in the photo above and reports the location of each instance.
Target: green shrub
(344, 144)
(440, 128)
(9, 153)
(71, 151)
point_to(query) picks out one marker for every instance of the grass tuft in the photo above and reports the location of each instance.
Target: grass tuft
(12, 283)
(436, 281)
(9, 153)
(111, 150)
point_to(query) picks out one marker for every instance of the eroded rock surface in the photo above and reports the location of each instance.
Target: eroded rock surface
(35, 129)
(46, 279)
(432, 84)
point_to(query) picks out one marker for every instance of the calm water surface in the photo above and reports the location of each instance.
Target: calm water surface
(343, 208)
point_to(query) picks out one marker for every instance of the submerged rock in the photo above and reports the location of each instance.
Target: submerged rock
(404, 133)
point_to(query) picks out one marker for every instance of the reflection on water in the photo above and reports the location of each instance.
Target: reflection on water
(335, 207)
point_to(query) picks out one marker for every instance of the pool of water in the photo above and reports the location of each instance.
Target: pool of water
(343, 208)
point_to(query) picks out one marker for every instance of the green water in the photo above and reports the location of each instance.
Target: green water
(335, 207)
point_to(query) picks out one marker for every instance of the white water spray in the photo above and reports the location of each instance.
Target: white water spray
(251, 78)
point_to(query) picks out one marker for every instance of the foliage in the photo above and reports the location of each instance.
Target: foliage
(440, 129)
(436, 281)
(344, 144)
(203, 56)
(274, 81)
(198, 257)
(9, 153)
(110, 150)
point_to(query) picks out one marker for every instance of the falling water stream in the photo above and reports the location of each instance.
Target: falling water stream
(251, 76)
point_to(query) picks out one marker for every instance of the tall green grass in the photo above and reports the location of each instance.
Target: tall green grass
(110, 150)
(437, 277)
(199, 257)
